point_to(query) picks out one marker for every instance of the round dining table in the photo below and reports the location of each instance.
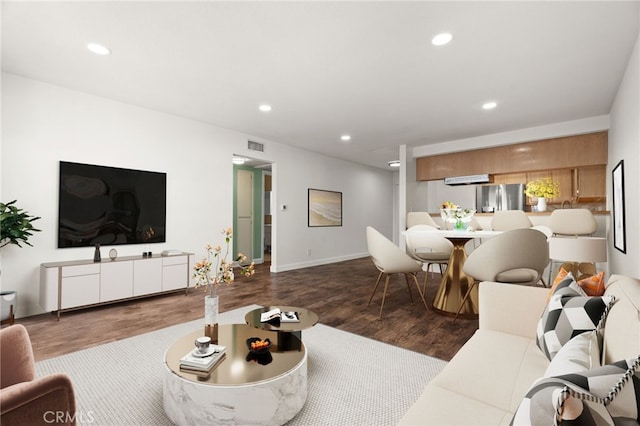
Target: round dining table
(455, 283)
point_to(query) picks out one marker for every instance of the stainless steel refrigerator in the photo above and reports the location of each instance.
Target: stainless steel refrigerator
(490, 198)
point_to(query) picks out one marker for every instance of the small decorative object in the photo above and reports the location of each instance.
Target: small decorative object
(258, 345)
(113, 253)
(96, 253)
(544, 189)
(455, 215)
(210, 276)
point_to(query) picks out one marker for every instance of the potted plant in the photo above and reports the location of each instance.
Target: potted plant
(15, 228)
(16, 225)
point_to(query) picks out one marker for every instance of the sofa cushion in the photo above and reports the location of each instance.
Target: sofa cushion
(622, 328)
(607, 395)
(510, 363)
(569, 313)
(579, 354)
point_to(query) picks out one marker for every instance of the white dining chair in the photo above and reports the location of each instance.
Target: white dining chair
(420, 218)
(519, 257)
(573, 243)
(389, 259)
(507, 220)
(424, 245)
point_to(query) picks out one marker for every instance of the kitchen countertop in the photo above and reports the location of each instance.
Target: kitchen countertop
(547, 213)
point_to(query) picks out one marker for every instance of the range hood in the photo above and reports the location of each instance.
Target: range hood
(466, 180)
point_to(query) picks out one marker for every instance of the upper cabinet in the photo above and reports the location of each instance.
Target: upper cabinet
(590, 184)
(567, 153)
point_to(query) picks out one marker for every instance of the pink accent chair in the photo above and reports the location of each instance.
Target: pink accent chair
(25, 399)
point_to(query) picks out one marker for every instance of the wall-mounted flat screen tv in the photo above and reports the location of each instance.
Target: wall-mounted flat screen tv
(110, 206)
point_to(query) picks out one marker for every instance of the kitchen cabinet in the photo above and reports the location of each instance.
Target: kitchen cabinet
(590, 184)
(564, 153)
(510, 178)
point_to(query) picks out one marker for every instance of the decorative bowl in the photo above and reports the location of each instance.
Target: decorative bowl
(260, 349)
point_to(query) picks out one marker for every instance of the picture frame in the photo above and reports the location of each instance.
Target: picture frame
(324, 208)
(619, 233)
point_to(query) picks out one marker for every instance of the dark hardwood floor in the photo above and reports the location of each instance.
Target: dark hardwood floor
(337, 292)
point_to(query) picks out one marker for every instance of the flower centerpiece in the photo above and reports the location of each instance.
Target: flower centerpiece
(459, 217)
(214, 270)
(544, 189)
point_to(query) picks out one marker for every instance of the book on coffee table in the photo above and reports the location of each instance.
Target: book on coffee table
(276, 315)
(203, 361)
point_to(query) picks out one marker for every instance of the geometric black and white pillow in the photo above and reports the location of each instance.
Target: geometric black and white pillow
(617, 384)
(603, 396)
(569, 313)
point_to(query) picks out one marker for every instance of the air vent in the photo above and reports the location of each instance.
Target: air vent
(465, 180)
(255, 146)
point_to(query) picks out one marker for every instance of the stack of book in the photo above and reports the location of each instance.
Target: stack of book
(196, 361)
(276, 315)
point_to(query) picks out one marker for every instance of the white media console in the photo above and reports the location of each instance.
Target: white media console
(80, 283)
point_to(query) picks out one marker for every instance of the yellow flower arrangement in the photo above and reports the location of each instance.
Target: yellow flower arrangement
(543, 188)
(209, 276)
(448, 205)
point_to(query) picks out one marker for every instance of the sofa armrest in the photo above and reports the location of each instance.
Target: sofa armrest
(511, 308)
(49, 399)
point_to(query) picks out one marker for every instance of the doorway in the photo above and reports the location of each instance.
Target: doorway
(252, 216)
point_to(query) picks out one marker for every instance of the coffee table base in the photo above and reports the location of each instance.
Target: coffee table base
(271, 402)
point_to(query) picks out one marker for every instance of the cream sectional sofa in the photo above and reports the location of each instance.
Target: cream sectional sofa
(487, 379)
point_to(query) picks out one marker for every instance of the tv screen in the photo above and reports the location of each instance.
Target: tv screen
(110, 206)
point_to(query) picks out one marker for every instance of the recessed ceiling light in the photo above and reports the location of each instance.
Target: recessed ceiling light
(489, 105)
(98, 49)
(345, 138)
(265, 107)
(239, 160)
(394, 163)
(441, 39)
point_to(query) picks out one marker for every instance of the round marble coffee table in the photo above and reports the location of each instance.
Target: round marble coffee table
(242, 388)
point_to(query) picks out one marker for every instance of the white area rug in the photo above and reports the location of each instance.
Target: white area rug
(352, 380)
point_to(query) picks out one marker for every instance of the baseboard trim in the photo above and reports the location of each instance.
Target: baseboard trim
(316, 262)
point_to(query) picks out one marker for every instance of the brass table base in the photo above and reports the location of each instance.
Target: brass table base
(455, 284)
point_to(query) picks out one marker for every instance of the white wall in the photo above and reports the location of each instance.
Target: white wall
(43, 124)
(624, 144)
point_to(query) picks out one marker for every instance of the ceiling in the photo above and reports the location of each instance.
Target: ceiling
(328, 68)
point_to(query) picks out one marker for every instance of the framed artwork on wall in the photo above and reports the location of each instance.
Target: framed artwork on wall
(619, 234)
(325, 208)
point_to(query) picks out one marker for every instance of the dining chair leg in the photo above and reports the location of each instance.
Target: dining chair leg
(424, 302)
(406, 278)
(384, 295)
(426, 278)
(375, 288)
(464, 299)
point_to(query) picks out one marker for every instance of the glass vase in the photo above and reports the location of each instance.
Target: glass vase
(459, 225)
(211, 317)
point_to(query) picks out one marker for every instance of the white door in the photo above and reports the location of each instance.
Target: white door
(244, 202)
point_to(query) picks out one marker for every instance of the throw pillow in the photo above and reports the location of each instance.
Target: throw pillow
(617, 384)
(579, 354)
(545, 404)
(569, 313)
(602, 396)
(592, 286)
